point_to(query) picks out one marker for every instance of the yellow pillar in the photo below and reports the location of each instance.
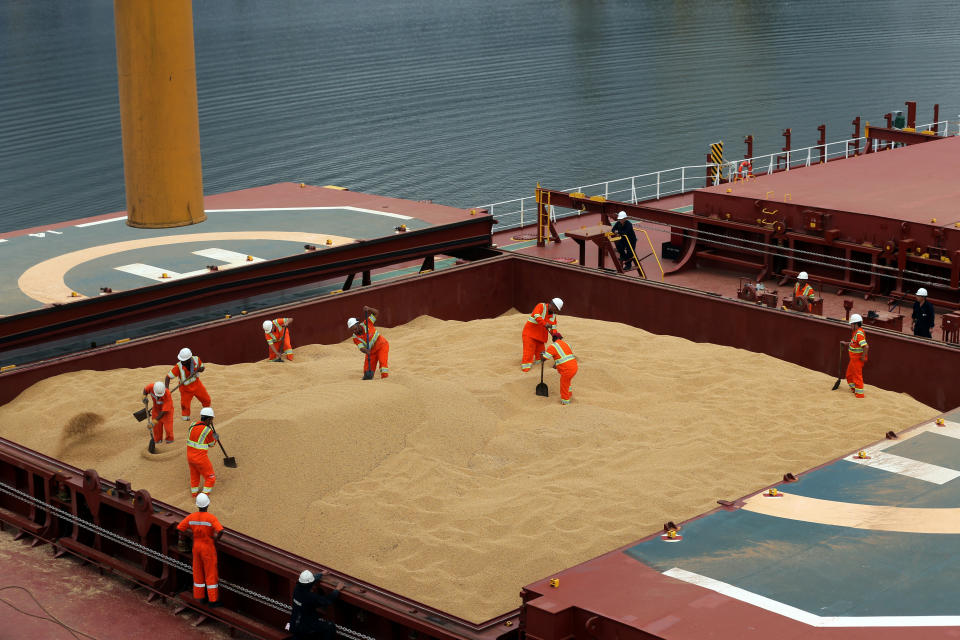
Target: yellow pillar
(158, 112)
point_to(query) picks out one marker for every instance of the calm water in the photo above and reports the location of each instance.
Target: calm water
(461, 101)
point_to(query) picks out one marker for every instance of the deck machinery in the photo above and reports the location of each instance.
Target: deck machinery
(881, 224)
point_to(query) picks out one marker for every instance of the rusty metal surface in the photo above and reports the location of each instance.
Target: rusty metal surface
(180, 295)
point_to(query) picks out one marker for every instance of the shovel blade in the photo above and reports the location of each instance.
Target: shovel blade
(230, 462)
(542, 390)
(836, 385)
(152, 447)
(140, 415)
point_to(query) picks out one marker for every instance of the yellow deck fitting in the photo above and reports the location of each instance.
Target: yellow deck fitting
(333, 186)
(7, 367)
(554, 582)
(122, 340)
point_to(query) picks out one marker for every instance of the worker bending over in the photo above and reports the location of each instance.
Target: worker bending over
(201, 438)
(565, 363)
(305, 622)
(277, 335)
(803, 292)
(857, 349)
(627, 244)
(373, 345)
(162, 412)
(188, 370)
(537, 329)
(205, 530)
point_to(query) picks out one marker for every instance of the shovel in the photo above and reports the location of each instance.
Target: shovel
(228, 461)
(836, 385)
(141, 415)
(542, 389)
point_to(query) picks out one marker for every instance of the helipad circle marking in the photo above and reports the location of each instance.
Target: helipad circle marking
(45, 282)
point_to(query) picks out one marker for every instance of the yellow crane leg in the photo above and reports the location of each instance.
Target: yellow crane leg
(158, 112)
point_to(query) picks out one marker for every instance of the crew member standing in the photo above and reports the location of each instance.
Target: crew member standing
(200, 439)
(627, 244)
(803, 292)
(923, 315)
(277, 334)
(205, 530)
(565, 363)
(162, 411)
(188, 371)
(374, 346)
(857, 349)
(537, 329)
(305, 623)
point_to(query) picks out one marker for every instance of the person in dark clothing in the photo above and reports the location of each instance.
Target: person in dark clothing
(305, 622)
(923, 315)
(624, 228)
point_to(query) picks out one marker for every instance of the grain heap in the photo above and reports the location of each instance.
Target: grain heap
(451, 483)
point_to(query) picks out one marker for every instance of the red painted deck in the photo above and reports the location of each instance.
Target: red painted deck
(916, 184)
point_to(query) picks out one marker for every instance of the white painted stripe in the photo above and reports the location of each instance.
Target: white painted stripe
(907, 467)
(806, 617)
(148, 271)
(3, 239)
(225, 255)
(90, 224)
(376, 213)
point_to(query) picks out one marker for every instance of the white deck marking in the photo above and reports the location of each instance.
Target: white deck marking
(231, 258)
(907, 466)
(90, 224)
(806, 617)
(225, 255)
(376, 213)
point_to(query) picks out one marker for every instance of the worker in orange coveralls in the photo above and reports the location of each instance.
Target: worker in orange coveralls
(857, 349)
(371, 343)
(565, 363)
(205, 530)
(536, 330)
(200, 439)
(803, 292)
(162, 412)
(277, 335)
(188, 370)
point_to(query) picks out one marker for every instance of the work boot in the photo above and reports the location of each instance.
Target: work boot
(368, 375)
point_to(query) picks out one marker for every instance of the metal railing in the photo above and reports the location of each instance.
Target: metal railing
(521, 212)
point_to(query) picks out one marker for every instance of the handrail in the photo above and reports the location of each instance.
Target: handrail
(656, 185)
(653, 251)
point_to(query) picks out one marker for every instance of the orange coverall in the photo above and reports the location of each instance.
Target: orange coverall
(567, 367)
(200, 439)
(280, 332)
(204, 526)
(536, 331)
(190, 386)
(855, 368)
(377, 346)
(163, 404)
(804, 291)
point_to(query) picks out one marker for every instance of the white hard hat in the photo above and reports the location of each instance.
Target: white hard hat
(159, 389)
(802, 275)
(185, 354)
(922, 292)
(351, 322)
(558, 303)
(203, 501)
(306, 577)
(206, 412)
(267, 326)
(621, 215)
(855, 318)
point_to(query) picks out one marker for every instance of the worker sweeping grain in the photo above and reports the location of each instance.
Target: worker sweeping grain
(374, 346)
(565, 363)
(201, 438)
(277, 334)
(803, 293)
(188, 370)
(857, 349)
(161, 413)
(205, 530)
(536, 330)
(305, 621)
